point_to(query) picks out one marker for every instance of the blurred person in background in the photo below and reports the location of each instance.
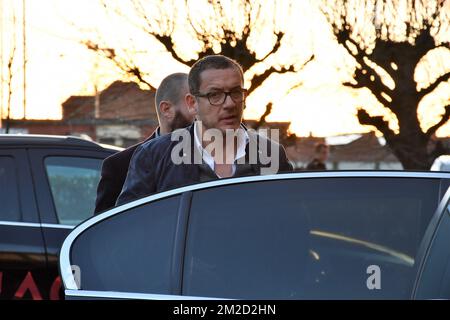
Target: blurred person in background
(321, 153)
(172, 114)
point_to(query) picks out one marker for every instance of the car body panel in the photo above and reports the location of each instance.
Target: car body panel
(22, 247)
(30, 247)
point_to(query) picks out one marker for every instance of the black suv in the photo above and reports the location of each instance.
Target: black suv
(47, 186)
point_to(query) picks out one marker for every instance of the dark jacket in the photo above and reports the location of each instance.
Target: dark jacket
(316, 164)
(152, 169)
(114, 173)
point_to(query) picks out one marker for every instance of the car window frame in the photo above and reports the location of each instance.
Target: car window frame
(432, 251)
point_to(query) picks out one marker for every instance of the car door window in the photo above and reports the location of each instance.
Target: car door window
(327, 238)
(73, 182)
(131, 251)
(9, 194)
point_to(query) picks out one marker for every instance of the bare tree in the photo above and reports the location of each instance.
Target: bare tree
(388, 39)
(228, 28)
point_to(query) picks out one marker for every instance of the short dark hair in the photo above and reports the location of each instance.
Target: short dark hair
(169, 89)
(210, 62)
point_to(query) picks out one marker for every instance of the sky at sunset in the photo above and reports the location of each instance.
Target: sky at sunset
(58, 67)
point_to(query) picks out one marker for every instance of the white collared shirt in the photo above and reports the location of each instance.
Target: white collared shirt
(242, 140)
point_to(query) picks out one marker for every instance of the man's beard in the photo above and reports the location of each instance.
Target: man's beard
(179, 121)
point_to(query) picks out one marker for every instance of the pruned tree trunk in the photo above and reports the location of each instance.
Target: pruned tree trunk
(399, 59)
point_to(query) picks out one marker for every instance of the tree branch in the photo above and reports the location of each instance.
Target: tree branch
(441, 122)
(257, 80)
(135, 71)
(262, 119)
(110, 55)
(384, 54)
(275, 48)
(377, 121)
(422, 93)
(365, 72)
(167, 42)
(279, 35)
(368, 84)
(165, 37)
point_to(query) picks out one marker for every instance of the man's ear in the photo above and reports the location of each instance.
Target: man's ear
(166, 109)
(191, 103)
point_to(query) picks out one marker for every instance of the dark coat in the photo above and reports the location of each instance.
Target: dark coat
(152, 169)
(114, 173)
(316, 164)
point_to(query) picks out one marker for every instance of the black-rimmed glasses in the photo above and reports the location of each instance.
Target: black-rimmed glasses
(216, 98)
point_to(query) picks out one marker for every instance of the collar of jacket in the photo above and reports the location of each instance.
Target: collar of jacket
(253, 138)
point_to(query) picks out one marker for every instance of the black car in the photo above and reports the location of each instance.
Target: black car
(47, 186)
(328, 235)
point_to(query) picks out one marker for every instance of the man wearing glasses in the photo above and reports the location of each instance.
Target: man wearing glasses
(215, 146)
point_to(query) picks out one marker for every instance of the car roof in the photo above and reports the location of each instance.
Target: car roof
(50, 140)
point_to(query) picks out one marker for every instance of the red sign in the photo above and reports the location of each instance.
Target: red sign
(28, 284)
(54, 291)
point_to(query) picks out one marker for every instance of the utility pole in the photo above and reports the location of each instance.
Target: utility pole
(24, 33)
(96, 102)
(96, 91)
